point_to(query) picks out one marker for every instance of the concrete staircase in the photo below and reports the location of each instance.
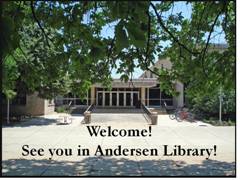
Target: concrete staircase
(77, 110)
(116, 110)
(159, 110)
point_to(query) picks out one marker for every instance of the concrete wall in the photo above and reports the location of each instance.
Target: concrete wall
(166, 63)
(35, 106)
(143, 95)
(180, 98)
(49, 106)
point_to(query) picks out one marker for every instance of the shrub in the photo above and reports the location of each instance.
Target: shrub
(207, 106)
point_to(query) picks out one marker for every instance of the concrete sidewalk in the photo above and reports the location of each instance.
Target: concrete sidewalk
(44, 133)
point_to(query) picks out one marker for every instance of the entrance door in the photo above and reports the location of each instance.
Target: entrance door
(114, 99)
(100, 99)
(128, 99)
(107, 99)
(135, 99)
(121, 99)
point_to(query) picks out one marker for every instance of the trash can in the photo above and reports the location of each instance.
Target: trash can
(87, 117)
(154, 118)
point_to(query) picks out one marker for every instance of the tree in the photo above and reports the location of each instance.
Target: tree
(139, 30)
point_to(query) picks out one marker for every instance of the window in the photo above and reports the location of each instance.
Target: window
(166, 98)
(154, 93)
(154, 96)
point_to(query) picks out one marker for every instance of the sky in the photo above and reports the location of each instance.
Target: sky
(108, 31)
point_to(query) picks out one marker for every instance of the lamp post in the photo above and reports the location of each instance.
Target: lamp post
(220, 105)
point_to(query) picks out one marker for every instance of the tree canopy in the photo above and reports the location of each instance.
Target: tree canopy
(57, 46)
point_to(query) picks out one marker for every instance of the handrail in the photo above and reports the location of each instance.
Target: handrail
(90, 108)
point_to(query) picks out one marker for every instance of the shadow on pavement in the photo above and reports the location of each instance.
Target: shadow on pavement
(108, 166)
(37, 121)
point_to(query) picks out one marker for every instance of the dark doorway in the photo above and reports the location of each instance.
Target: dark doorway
(135, 99)
(100, 98)
(114, 99)
(121, 99)
(107, 99)
(154, 97)
(128, 99)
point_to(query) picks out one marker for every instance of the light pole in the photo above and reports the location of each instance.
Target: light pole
(220, 105)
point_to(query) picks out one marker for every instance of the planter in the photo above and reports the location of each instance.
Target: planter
(154, 118)
(87, 117)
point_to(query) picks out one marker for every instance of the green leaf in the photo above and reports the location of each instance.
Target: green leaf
(121, 37)
(96, 52)
(124, 77)
(136, 36)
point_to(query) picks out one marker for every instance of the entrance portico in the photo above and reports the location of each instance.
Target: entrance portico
(119, 98)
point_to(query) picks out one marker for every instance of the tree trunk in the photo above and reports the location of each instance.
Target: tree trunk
(8, 110)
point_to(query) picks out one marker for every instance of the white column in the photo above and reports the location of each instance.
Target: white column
(92, 95)
(117, 98)
(143, 95)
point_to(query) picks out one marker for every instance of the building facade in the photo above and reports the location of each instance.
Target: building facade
(145, 90)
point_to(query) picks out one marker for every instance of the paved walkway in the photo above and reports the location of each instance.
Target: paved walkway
(44, 133)
(118, 116)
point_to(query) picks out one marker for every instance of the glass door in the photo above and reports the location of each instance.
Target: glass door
(135, 99)
(121, 99)
(100, 99)
(114, 99)
(107, 99)
(128, 99)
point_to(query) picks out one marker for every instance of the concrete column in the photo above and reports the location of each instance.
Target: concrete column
(92, 95)
(143, 95)
(148, 97)
(117, 98)
(179, 98)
